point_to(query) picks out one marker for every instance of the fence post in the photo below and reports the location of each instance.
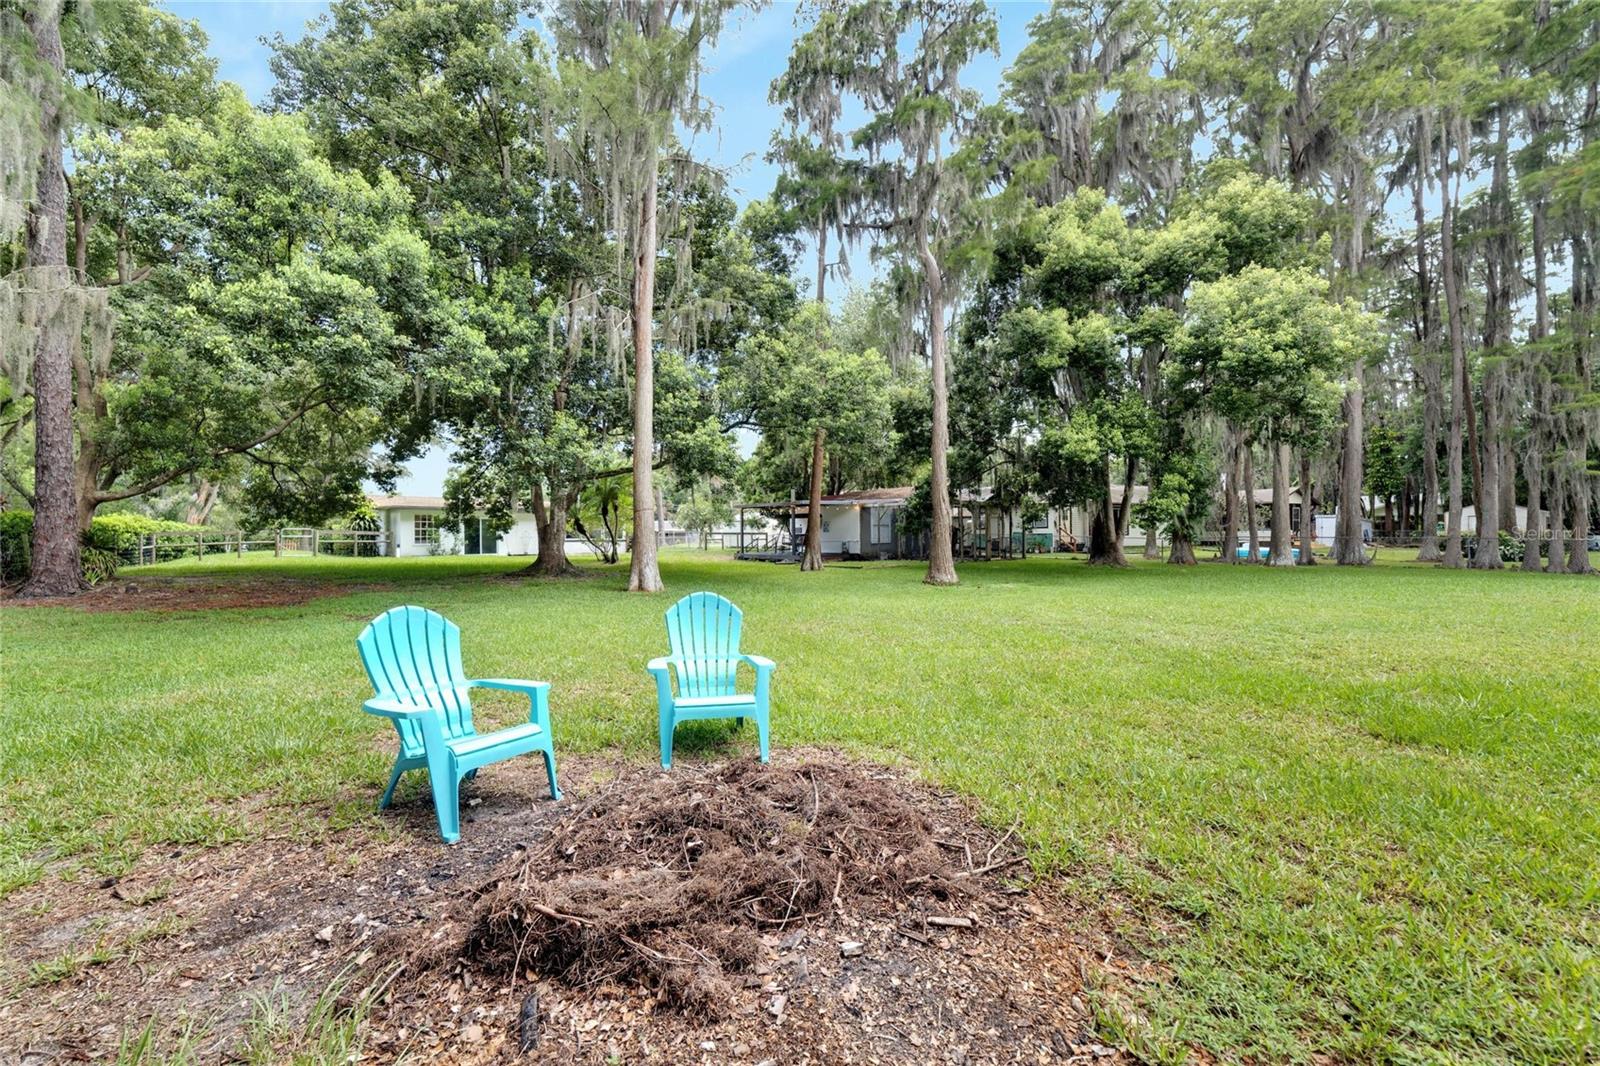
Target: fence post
(241, 544)
(277, 543)
(316, 542)
(199, 546)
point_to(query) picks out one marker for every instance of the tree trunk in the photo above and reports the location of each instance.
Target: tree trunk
(1351, 547)
(56, 521)
(551, 516)
(822, 258)
(941, 560)
(1427, 362)
(1104, 547)
(1182, 551)
(661, 518)
(1428, 357)
(645, 572)
(201, 502)
(1578, 548)
(1230, 521)
(1308, 517)
(1250, 502)
(1281, 552)
(1557, 551)
(1458, 357)
(1152, 545)
(1533, 533)
(1428, 514)
(813, 556)
(1487, 556)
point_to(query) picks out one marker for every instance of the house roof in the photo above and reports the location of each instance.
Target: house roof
(421, 503)
(891, 497)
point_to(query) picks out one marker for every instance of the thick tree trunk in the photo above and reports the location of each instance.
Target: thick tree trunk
(1508, 466)
(1250, 502)
(941, 560)
(1152, 545)
(1281, 553)
(56, 521)
(1458, 357)
(813, 556)
(1308, 516)
(1182, 551)
(1533, 533)
(1557, 550)
(1351, 548)
(1578, 548)
(645, 572)
(1487, 556)
(551, 516)
(1104, 547)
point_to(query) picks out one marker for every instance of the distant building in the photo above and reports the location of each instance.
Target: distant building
(415, 525)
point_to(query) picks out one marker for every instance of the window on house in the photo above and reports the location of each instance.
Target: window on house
(425, 529)
(882, 525)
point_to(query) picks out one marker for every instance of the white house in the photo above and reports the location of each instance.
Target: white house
(1469, 519)
(863, 523)
(415, 525)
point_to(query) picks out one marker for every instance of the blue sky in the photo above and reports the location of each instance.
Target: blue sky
(750, 53)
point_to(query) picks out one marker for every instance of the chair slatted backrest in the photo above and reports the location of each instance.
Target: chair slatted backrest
(413, 655)
(704, 631)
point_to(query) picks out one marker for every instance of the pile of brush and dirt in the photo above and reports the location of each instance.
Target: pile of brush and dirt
(674, 882)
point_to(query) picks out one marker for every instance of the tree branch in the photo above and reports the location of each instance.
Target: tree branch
(151, 484)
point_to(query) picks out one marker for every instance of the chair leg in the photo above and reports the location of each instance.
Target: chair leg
(666, 741)
(761, 733)
(388, 793)
(550, 770)
(447, 806)
(739, 722)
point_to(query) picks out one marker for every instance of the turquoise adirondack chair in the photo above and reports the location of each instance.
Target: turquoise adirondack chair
(413, 656)
(703, 629)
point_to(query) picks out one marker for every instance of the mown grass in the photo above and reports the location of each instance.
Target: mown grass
(1360, 808)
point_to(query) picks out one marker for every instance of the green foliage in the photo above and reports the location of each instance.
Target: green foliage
(1266, 348)
(1387, 462)
(1182, 494)
(109, 537)
(16, 546)
(281, 305)
(122, 531)
(798, 380)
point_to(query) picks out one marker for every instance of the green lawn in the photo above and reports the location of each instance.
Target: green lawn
(1354, 811)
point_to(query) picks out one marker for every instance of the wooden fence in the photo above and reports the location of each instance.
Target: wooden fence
(166, 546)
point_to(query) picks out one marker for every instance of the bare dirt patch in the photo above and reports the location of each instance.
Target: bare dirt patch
(818, 910)
(201, 593)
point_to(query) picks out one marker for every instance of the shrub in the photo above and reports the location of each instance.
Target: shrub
(122, 531)
(16, 545)
(1511, 548)
(109, 537)
(98, 564)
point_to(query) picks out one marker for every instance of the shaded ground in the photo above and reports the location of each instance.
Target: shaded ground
(925, 950)
(199, 593)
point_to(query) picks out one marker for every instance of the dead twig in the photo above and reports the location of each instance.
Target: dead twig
(551, 912)
(1002, 864)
